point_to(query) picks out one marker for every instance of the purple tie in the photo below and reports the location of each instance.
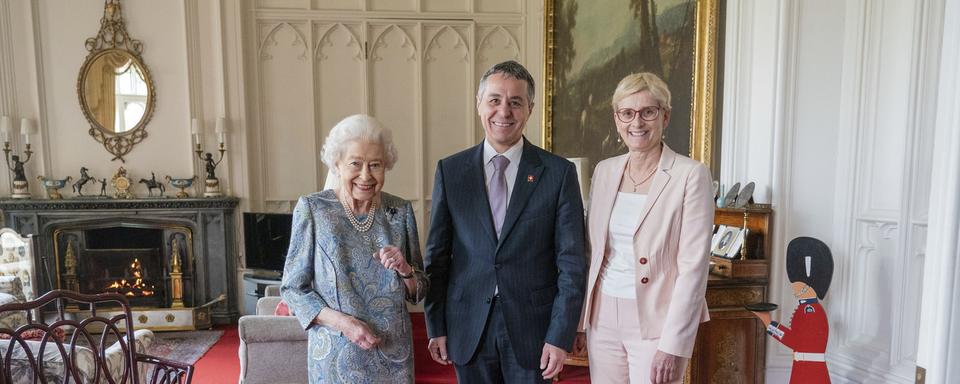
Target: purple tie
(497, 191)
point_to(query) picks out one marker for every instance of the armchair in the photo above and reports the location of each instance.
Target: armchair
(16, 259)
(38, 351)
(273, 349)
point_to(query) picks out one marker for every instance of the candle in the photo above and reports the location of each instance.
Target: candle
(27, 128)
(221, 129)
(195, 129)
(6, 124)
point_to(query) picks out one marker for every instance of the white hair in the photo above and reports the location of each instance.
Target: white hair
(356, 128)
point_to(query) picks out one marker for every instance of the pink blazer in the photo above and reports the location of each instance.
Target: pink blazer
(671, 246)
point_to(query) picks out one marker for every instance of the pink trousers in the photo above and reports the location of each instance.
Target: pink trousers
(617, 353)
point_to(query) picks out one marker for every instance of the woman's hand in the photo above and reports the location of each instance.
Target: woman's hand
(358, 332)
(393, 259)
(664, 368)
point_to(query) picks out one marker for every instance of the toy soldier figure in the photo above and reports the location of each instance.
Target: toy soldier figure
(810, 269)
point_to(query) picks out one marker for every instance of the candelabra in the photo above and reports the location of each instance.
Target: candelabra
(212, 184)
(20, 187)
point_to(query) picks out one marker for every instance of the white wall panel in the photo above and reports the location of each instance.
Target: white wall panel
(392, 5)
(303, 4)
(868, 322)
(445, 5)
(887, 92)
(338, 4)
(447, 70)
(340, 79)
(394, 99)
(884, 95)
(496, 43)
(286, 126)
(498, 6)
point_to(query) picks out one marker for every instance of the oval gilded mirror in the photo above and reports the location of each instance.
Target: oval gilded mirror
(116, 92)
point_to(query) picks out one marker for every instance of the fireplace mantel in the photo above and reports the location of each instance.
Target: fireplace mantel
(211, 221)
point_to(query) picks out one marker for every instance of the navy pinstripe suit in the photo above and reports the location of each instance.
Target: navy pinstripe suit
(538, 263)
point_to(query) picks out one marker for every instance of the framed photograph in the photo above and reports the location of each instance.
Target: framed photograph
(727, 242)
(717, 231)
(591, 45)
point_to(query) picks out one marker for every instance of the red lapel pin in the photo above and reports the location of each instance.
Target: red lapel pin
(529, 178)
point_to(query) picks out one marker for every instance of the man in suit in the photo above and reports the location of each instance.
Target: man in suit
(505, 253)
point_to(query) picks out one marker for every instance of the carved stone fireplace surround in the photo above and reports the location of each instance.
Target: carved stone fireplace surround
(210, 221)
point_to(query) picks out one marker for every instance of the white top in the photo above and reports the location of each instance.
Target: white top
(618, 277)
(513, 154)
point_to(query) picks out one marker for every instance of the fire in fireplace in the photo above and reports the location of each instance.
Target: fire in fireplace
(151, 264)
(135, 286)
(127, 260)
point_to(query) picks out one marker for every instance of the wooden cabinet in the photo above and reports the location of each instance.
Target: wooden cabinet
(731, 347)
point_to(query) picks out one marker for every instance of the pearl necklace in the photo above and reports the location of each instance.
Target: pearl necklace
(637, 185)
(367, 223)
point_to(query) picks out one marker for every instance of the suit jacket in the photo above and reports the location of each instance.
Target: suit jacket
(671, 245)
(538, 262)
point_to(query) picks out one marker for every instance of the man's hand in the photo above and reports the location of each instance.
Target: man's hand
(664, 368)
(551, 360)
(438, 349)
(764, 317)
(580, 344)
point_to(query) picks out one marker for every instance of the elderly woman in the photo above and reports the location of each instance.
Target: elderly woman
(354, 259)
(650, 219)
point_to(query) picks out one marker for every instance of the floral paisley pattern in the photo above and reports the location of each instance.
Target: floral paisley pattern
(330, 264)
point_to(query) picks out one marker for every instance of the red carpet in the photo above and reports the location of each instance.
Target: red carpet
(429, 371)
(222, 365)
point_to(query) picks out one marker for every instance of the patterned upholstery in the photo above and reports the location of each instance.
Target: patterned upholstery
(16, 259)
(53, 369)
(11, 292)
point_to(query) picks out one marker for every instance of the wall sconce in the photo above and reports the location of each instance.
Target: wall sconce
(211, 182)
(20, 187)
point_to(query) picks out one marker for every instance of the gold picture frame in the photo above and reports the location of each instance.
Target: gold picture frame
(700, 99)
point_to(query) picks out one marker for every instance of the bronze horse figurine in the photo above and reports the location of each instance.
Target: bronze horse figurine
(84, 178)
(152, 184)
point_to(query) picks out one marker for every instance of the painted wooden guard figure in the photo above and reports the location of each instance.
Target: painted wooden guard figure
(810, 269)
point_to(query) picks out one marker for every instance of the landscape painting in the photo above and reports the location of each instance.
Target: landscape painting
(592, 45)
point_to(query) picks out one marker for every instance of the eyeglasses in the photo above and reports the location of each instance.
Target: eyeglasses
(626, 115)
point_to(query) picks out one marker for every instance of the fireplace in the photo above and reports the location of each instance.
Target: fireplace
(164, 255)
(142, 260)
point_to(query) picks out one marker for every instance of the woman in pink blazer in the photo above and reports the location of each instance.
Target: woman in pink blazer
(649, 222)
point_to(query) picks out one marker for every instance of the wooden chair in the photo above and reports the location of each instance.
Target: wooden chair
(96, 343)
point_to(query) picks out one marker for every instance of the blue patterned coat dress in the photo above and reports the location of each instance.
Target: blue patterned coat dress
(332, 264)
